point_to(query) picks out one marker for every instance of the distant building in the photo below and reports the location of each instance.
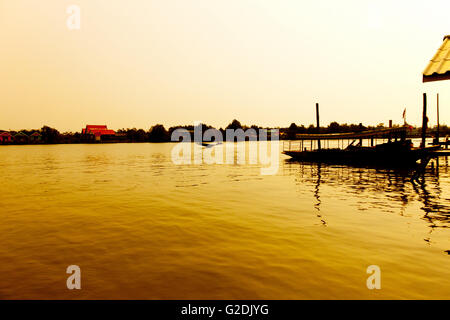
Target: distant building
(98, 132)
(5, 137)
(36, 137)
(21, 137)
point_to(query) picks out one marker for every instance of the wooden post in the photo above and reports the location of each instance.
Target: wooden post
(437, 133)
(389, 135)
(424, 120)
(318, 125)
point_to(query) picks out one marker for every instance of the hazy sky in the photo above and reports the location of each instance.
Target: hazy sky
(136, 63)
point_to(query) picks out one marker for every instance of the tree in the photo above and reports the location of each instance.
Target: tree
(334, 127)
(50, 135)
(140, 136)
(292, 131)
(158, 133)
(234, 125)
(311, 129)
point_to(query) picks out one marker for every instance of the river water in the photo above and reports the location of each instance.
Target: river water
(141, 227)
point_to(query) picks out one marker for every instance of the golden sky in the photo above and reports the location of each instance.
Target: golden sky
(136, 63)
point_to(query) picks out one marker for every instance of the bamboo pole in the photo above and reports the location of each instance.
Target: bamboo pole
(424, 120)
(318, 125)
(437, 104)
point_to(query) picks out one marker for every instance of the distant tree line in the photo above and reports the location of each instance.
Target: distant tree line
(158, 133)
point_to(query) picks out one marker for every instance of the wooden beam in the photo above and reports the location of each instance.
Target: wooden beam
(436, 77)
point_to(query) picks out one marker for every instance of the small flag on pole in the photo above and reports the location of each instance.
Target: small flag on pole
(404, 116)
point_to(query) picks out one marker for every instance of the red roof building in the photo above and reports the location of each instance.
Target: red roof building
(98, 131)
(36, 137)
(5, 137)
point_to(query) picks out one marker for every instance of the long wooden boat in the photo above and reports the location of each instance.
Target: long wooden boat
(396, 152)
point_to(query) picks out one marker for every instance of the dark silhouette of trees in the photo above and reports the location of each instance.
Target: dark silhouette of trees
(292, 131)
(49, 135)
(333, 127)
(133, 135)
(235, 124)
(158, 133)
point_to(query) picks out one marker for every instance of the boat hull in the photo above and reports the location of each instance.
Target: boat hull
(369, 156)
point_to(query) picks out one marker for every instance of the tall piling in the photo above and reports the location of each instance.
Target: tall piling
(318, 124)
(424, 121)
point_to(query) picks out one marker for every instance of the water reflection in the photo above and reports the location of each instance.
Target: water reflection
(317, 194)
(385, 190)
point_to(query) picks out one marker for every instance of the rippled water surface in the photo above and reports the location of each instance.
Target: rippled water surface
(141, 227)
